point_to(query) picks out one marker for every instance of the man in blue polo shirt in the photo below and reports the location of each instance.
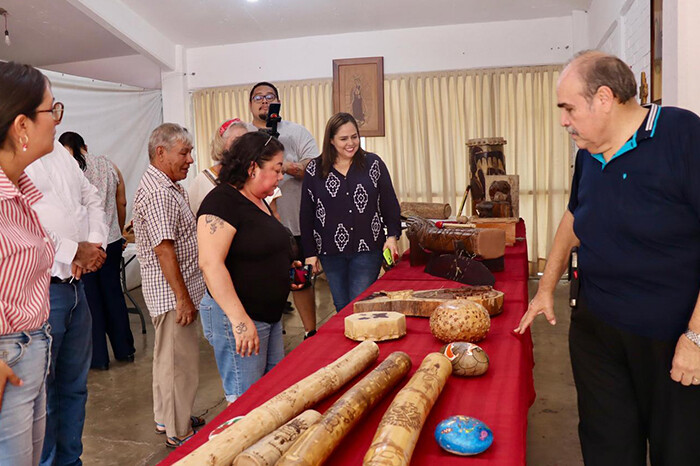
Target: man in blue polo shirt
(634, 213)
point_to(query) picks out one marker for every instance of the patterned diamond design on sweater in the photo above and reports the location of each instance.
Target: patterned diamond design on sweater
(361, 198)
(319, 242)
(363, 246)
(376, 226)
(321, 213)
(332, 184)
(374, 173)
(311, 195)
(311, 168)
(342, 237)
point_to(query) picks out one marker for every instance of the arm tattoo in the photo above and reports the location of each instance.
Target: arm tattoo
(214, 223)
(241, 328)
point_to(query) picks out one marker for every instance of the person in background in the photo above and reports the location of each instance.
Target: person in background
(103, 288)
(299, 148)
(28, 119)
(245, 255)
(347, 201)
(71, 212)
(166, 247)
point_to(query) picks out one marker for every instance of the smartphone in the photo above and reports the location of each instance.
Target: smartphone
(273, 111)
(388, 259)
(301, 276)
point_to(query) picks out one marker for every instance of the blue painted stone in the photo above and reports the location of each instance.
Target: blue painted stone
(463, 435)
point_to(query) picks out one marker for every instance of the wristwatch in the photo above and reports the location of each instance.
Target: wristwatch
(692, 336)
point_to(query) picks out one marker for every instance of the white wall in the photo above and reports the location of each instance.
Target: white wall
(133, 70)
(506, 43)
(622, 28)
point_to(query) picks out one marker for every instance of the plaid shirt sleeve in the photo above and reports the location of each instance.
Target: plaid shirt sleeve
(161, 213)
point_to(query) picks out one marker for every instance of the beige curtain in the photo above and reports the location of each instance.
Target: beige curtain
(430, 116)
(428, 119)
(309, 103)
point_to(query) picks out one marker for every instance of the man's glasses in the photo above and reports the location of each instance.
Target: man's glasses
(268, 97)
(56, 111)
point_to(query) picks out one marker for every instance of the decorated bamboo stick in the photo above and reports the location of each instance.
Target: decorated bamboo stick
(268, 450)
(316, 444)
(426, 209)
(222, 449)
(399, 429)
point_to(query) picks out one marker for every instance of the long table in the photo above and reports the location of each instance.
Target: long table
(501, 397)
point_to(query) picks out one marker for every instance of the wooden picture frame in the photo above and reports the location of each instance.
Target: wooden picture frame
(655, 76)
(358, 89)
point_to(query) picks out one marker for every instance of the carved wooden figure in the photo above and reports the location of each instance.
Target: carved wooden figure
(485, 243)
(399, 429)
(318, 442)
(221, 450)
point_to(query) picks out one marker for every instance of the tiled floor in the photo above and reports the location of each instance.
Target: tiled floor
(119, 424)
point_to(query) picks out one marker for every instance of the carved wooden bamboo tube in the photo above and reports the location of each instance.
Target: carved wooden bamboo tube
(318, 442)
(222, 449)
(426, 209)
(399, 429)
(268, 450)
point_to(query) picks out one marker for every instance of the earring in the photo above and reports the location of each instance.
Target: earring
(25, 143)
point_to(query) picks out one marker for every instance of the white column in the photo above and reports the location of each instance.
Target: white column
(681, 41)
(175, 95)
(580, 37)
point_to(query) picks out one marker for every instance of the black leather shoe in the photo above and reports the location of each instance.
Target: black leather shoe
(129, 358)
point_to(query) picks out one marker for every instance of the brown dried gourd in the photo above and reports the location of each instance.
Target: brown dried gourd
(460, 320)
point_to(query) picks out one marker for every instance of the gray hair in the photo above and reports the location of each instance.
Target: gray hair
(218, 142)
(601, 69)
(167, 135)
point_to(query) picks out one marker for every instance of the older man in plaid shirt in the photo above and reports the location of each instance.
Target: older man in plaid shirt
(166, 243)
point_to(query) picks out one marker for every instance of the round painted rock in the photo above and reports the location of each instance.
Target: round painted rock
(463, 435)
(468, 359)
(460, 320)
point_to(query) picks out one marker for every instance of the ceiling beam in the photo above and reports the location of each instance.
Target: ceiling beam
(131, 28)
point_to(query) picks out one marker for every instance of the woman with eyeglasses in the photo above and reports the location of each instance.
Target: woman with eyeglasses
(206, 180)
(347, 202)
(28, 119)
(245, 255)
(103, 288)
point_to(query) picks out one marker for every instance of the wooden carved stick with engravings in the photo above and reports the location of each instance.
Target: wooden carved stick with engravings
(318, 442)
(461, 219)
(399, 429)
(222, 449)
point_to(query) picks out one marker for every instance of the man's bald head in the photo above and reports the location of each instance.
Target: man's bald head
(596, 69)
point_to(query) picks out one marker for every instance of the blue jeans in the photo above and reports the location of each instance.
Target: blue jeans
(239, 373)
(23, 414)
(66, 385)
(108, 309)
(350, 275)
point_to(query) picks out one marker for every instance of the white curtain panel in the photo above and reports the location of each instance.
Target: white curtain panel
(114, 119)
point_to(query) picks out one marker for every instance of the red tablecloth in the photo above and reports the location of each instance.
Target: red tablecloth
(501, 397)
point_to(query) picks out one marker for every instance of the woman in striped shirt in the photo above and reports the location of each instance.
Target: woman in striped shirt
(28, 119)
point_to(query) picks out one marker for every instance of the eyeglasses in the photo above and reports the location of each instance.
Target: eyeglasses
(56, 111)
(268, 97)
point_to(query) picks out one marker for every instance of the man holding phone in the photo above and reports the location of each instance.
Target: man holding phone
(299, 148)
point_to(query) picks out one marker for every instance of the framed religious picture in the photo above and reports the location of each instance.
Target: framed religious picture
(656, 49)
(358, 89)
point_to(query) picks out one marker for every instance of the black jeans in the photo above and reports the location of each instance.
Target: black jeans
(108, 308)
(627, 398)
